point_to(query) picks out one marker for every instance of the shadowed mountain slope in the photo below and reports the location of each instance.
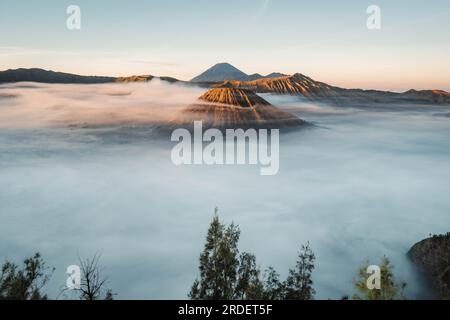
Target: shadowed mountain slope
(44, 76)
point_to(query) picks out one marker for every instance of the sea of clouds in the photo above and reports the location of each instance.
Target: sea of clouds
(78, 178)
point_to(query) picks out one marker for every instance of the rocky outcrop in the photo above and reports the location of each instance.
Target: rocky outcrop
(432, 256)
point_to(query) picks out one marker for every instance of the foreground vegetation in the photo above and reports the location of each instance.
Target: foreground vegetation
(225, 273)
(27, 282)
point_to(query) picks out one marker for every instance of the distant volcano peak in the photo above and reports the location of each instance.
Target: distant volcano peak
(220, 72)
(224, 71)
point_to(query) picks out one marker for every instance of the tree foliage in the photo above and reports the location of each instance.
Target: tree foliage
(390, 288)
(299, 284)
(24, 283)
(227, 274)
(224, 273)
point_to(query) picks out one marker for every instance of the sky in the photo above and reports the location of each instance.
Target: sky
(326, 40)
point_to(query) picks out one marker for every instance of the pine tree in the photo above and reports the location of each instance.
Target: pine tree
(299, 284)
(390, 289)
(224, 273)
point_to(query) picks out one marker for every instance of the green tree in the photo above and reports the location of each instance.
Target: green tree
(249, 285)
(390, 289)
(26, 283)
(274, 289)
(224, 273)
(299, 283)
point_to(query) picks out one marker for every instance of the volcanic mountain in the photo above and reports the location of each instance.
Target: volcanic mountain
(225, 71)
(234, 97)
(297, 84)
(228, 108)
(301, 85)
(221, 72)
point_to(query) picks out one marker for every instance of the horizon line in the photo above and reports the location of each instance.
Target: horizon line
(181, 80)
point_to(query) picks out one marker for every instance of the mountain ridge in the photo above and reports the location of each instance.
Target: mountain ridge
(275, 83)
(301, 85)
(49, 76)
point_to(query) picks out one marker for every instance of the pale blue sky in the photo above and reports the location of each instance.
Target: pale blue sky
(327, 40)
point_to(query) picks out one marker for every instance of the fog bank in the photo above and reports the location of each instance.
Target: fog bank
(363, 184)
